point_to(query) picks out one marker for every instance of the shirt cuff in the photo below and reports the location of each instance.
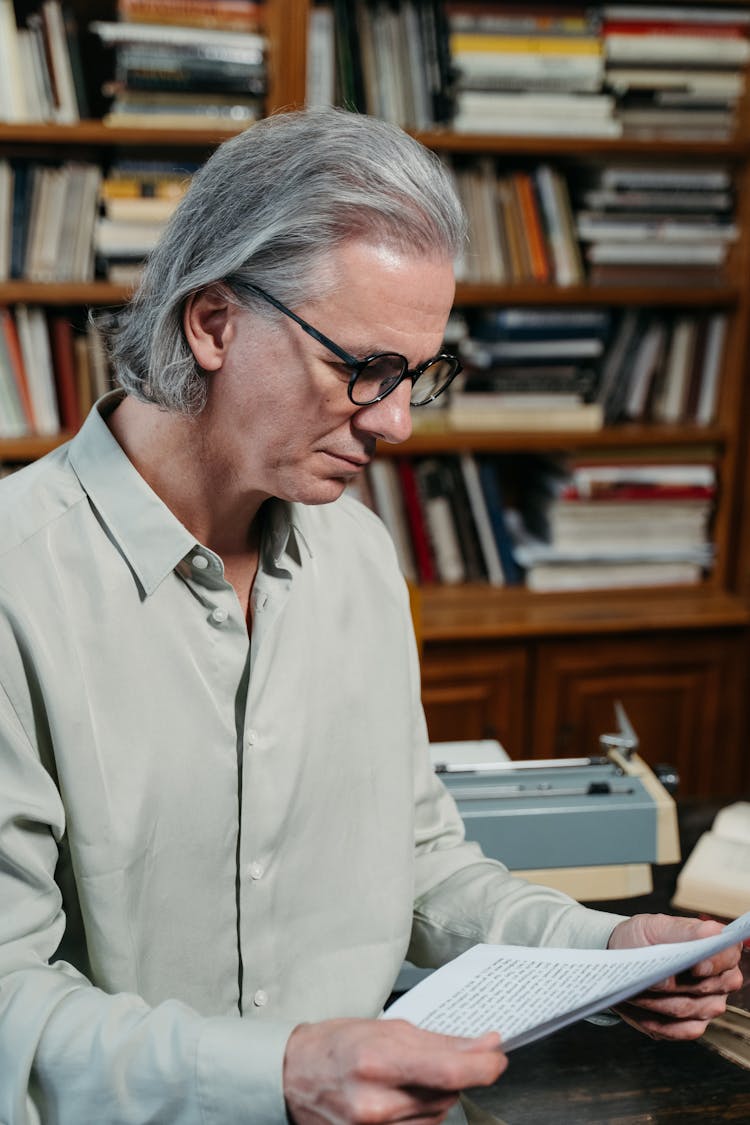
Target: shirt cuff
(239, 1070)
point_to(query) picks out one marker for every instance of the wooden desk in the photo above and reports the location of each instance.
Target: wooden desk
(586, 1074)
(616, 1076)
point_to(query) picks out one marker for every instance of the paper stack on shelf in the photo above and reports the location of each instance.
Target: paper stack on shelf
(656, 223)
(676, 71)
(620, 525)
(529, 72)
(200, 66)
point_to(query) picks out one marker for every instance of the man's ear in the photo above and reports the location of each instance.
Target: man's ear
(208, 327)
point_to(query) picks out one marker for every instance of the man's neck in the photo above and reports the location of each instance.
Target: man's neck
(171, 453)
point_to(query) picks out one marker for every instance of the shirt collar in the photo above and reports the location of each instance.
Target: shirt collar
(148, 534)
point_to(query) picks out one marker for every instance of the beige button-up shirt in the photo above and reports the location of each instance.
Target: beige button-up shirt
(207, 838)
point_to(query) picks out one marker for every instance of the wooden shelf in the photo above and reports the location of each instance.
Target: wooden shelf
(689, 296)
(478, 612)
(437, 439)
(29, 448)
(444, 140)
(63, 293)
(97, 133)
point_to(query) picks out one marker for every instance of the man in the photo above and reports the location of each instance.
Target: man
(215, 800)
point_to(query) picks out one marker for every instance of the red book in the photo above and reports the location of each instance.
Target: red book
(655, 27)
(414, 514)
(61, 336)
(12, 343)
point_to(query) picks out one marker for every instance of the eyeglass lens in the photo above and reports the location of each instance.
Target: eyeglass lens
(381, 374)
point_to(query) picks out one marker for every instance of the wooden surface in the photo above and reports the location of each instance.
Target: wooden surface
(584, 1074)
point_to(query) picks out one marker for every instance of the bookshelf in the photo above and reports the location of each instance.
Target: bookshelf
(538, 671)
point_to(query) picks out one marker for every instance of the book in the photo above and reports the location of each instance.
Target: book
(729, 1035)
(526, 994)
(389, 505)
(715, 878)
(61, 336)
(440, 523)
(710, 373)
(12, 347)
(227, 15)
(482, 521)
(423, 550)
(611, 575)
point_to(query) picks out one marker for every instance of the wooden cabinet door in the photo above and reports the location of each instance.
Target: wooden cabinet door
(473, 691)
(683, 693)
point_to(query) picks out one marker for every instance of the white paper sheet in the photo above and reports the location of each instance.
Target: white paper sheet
(526, 994)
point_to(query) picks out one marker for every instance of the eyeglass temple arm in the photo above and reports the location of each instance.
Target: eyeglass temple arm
(350, 360)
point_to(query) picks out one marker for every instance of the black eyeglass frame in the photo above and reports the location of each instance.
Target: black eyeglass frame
(357, 365)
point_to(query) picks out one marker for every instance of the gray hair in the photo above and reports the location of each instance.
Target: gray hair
(267, 208)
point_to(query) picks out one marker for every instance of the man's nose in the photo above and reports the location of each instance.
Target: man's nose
(390, 419)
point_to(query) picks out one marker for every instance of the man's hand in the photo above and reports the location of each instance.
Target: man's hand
(367, 1072)
(680, 1007)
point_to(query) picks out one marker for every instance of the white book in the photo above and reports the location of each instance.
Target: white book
(37, 360)
(710, 178)
(6, 215)
(538, 126)
(611, 228)
(716, 876)
(12, 82)
(389, 504)
(321, 64)
(719, 83)
(67, 101)
(46, 253)
(586, 477)
(645, 365)
(708, 391)
(598, 106)
(33, 90)
(175, 35)
(554, 577)
(675, 13)
(482, 522)
(646, 253)
(669, 48)
(526, 994)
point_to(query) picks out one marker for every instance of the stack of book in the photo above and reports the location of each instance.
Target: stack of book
(392, 60)
(186, 65)
(50, 372)
(530, 369)
(138, 197)
(521, 225)
(446, 516)
(622, 525)
(41, 77)
(47, 217)
(528, 70)
(667, 223)
(677, 71)
(663, 368)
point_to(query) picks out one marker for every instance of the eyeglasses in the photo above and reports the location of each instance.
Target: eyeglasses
(379, 374)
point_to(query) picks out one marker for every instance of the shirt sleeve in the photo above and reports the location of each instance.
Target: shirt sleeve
(69, 1052)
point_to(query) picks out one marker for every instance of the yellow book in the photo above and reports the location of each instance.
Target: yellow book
(525, 44)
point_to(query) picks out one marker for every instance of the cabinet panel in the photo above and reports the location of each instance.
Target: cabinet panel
(475, 691)
(683, 694)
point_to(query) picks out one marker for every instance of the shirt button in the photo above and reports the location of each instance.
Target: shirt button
(200, 562)
(219, 616)
(255, 870)
(252, 737)
(260, 999)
